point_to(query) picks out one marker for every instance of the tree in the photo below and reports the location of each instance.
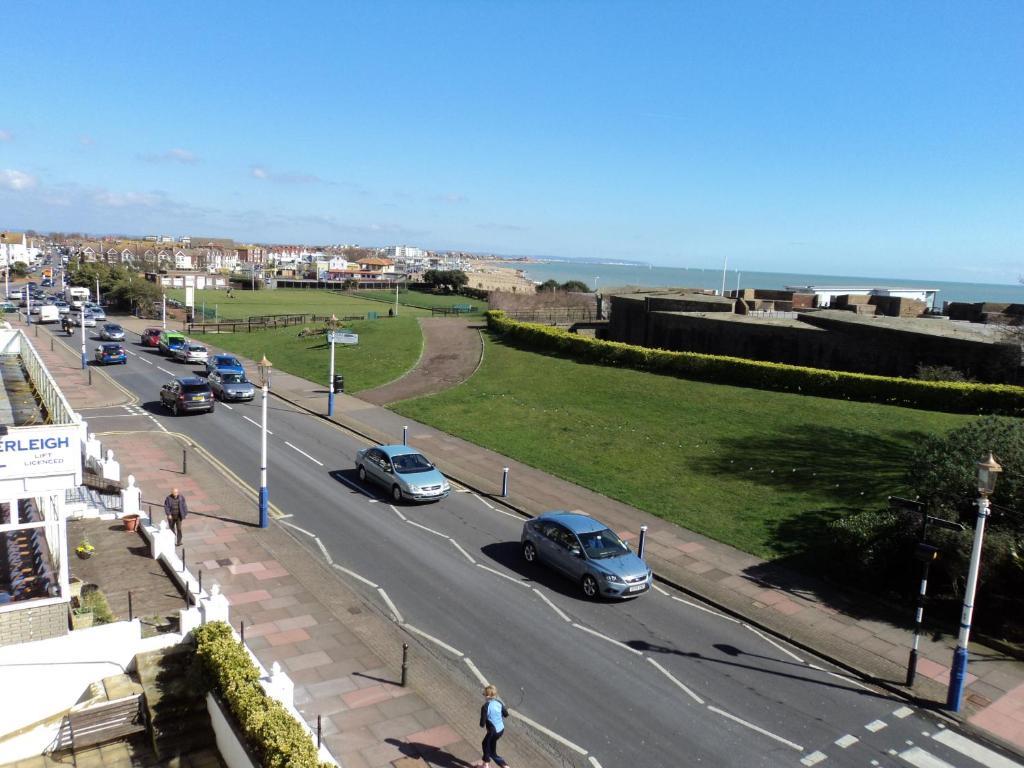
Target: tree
(550, 286)
(19, 269)
(575, 286)
(440, 279)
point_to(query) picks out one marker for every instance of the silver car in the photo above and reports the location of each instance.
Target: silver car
(190, 352)
(227, 385)
(112, 332)
(404, 471)
(586, 551)
(85, 319)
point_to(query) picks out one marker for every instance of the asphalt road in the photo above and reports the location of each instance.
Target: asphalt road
(657, 682)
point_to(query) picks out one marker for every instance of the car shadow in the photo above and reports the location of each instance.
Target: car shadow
(350, 479)
(510, 555)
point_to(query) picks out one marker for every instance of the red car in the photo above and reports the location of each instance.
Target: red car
(151, 337)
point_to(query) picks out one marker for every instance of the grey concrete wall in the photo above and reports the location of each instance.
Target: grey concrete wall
(30, 624)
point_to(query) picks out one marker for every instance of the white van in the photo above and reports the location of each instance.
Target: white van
(77, 295)
(48, 313)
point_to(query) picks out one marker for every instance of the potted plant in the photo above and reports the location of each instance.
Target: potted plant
(131, 522)
(81, 618)
(84, 549)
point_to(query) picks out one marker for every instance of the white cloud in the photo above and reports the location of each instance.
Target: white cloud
(6, 135)
(109, 199)
(259, 172)
(176, 155)
(284, 177)
(16, 180)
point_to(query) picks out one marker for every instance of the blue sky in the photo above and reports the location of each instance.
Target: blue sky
(825, 137)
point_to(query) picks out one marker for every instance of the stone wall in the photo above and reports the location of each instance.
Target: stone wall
(29, 624)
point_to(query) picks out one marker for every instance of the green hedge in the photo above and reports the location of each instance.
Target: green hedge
(270, 730)
(949, 396)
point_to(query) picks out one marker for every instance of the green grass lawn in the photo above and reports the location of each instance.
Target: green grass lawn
(286, 301)
(761, 471)
(427, 300)
(387, 349)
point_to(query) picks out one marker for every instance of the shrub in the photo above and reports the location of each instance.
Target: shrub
(278, 740)
(949, 396)
(93, 600)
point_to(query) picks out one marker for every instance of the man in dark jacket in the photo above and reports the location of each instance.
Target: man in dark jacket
(176, 510)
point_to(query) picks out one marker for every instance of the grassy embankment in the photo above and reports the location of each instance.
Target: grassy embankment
(761, 471)
(387, 348)
(427, 300)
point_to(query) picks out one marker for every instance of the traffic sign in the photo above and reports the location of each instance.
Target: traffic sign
(342, 337)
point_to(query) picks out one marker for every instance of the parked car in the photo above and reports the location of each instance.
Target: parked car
(151, 337)
(169, 341)
(586, 551)
(228, 385)
(107, 354)
(112, 332)
(404, 471)
(224, 364)
(186, 395)
(8, 306)
(190, 352)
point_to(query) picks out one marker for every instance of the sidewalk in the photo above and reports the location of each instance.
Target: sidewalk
(344, 658)
(809, 613)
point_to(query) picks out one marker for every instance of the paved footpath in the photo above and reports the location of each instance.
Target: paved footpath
(344, 657)
(851, 631)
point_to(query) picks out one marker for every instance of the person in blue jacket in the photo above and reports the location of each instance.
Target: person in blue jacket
(492, 717)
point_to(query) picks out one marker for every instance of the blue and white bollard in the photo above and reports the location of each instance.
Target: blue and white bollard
(643, 540)
(504, 482)
(405, 435)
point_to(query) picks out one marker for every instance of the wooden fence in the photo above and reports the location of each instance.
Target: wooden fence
(258, 323)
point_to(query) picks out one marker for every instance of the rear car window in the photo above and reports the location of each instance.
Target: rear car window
(196, 389)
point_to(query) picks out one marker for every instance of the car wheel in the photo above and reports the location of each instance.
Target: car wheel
(529, 552)
(362, 473)
(590, 588)
(174, 409)
(396, 493)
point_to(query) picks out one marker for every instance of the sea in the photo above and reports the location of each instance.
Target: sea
(610, 276)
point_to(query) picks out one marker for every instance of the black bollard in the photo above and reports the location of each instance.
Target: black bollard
(184, 461)
(131, 615)
(200, 590)
(241, 631)
(405, 661)
(318, 731)
(182, 559)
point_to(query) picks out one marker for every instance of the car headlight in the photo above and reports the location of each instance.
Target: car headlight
(611, 577)
(413, 488)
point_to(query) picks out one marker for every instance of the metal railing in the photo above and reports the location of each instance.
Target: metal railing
(58, 410)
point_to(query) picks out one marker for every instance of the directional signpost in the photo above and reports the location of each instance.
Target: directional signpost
(337, 337)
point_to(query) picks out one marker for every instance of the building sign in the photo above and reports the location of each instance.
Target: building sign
(37, 451)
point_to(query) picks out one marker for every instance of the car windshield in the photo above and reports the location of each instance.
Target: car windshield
(196, 348)
(411, 463)
(232, 378)
(227, 362)
(601, 544)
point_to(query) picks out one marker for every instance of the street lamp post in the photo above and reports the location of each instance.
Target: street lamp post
(987, 472)
(81, 318)
(330, 377)
(164, 312)
(265, 367)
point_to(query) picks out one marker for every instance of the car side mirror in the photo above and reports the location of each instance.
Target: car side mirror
(576, 552)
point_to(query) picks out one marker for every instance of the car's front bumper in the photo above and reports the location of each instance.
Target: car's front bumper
(623, 590)
(422, 495)
(238, 396)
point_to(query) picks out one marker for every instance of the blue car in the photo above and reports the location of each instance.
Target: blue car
(587, 552)
(224, 364)
(111, 354)
(405, 472)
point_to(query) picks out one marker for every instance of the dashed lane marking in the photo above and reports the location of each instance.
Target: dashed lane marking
(814, 758)
(965, 746)
(464, 552)
(756, 728)
(676, 681)
(875, 726)
(295, 448)
(476, 672)
(229, 407)
(846, 741)
(257, 424)
(354, 575)
(504, 575)
(551, 605)
(612, 640)
(159, 368)
(435, 641)
(548, 732)
(919, 758)
(397, 511)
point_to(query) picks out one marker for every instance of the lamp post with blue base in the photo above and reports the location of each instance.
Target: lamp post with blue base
(264, 368)
(987, 472)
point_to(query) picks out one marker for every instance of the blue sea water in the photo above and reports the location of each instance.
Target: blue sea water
(609, 276)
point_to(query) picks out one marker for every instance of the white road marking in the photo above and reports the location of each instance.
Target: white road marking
(391, 605)
(513, 579)
(875, 726)
(229, 407)
(147, 362)
(397, 510)
(285, 517)
(428, 530)
(434, 640)
(921, 759)
(327, 555)
(548, 732)
(354, 575)
(355, 487)
(903, 712)
(476, 672)
(965, 746)
(700, 607)
(593, 761)
(757, 728)
(770, 641)
(662, 591)
(496, 509)
(133, 354)
(612, 640)
(553, 607)
(164, 370)
(814, 758)
(256, 423)
(301, 530)
(675, 680)
(846, 741)
(294, 448)
(459, 547)
(483, 501)
(846, 679)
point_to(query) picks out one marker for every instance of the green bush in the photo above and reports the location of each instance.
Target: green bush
(269, 729)
(949, 396)
(93, 599)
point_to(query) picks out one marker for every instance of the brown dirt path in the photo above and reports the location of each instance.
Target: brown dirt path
(451, 353)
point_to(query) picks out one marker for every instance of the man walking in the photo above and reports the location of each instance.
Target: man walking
(176, 510)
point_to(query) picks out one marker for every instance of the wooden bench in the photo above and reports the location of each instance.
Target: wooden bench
(100, 723)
